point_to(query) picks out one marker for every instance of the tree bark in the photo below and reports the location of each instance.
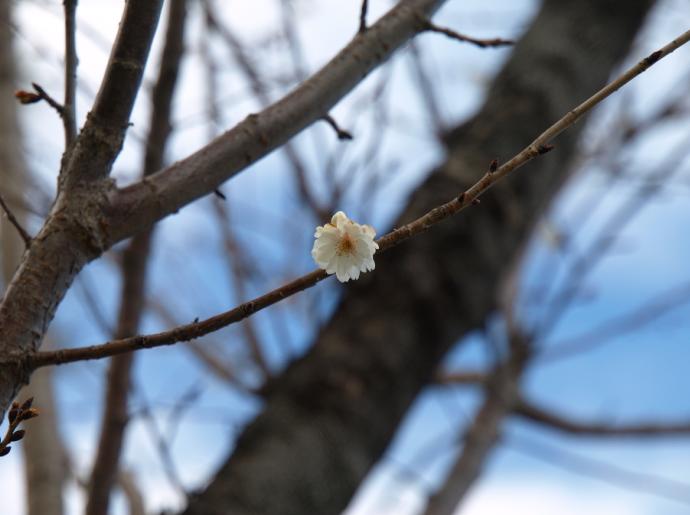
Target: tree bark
(329, 417)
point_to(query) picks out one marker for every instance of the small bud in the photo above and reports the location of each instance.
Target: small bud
(5, 451)
(26, 97)
(476, 202)
(493, 166)
(653, 57)
(543, 149)
(17, 435)
(12, 415)
(29, 414)
(461, 198)
(27, 403)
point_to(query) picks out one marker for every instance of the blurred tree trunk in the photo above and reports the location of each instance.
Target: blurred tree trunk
(45, 466)
(329, 417)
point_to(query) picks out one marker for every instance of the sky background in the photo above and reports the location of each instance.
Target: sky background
(639, 375)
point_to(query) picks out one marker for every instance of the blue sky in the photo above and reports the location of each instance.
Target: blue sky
(636, 376)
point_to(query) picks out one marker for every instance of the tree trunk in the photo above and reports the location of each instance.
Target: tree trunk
(329, 417)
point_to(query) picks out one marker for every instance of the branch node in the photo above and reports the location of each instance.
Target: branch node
(493, 166)
(544, 149)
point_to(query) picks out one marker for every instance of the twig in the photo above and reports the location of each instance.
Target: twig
(640, 316)
(341, 133)
(596, 469)
(558, 422)
(71, 61)
(236, 263)
(43, 94)
(467, 198)
(13, 220)
(15, 417)
(572, 283)
(481, 43)
(363, 16)
(259, 89)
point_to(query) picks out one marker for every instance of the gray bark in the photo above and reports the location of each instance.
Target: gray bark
(330, 416)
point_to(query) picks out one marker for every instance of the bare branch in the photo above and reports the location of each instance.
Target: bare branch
(636, 318)
(69, 115)
(259, 89)
(259, 134)
(13, 220)
(363, 16)
(43, 94)
(572, 426)
(467, 198)
(597, 469)
(115, 413)
(502, 392)
(341, 133)
(103, 134)
(481, 43)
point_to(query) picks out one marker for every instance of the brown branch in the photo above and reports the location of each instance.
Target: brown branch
(234, 254)
(624, 214)
(601, 470)
(467, 198)
(481, 43)
(502, 392)
(115, 406)
(341, 133)
(17, 414)
(259, 134)
(13, 220)
(69, 116)
(258, 88)
(572, 426)
(44, 95)
(363, 16)
(101, 138)
(636, 318)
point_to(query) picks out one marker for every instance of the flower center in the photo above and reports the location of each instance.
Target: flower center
(345, 245)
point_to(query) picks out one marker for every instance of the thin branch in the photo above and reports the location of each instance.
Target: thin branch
(259, 134)
(13, 220)
(467, 198)
(480, 438)
(71, 61)
(637, 482)
(341, 133)
(236, 259)
(636, 318)
(259, 90)
(584, 263)
(43, 94)
(363, 16)
(135, 258)
(101, 138)
(481, 43)
(571, 426)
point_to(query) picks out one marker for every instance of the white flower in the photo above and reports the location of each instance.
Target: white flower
(344, 247)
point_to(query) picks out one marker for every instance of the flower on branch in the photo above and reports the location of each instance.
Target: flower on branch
(344, 248)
